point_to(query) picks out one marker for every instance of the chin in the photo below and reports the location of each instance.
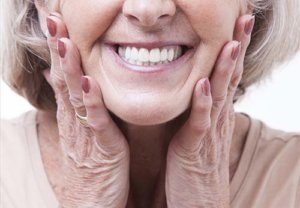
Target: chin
(146, 114)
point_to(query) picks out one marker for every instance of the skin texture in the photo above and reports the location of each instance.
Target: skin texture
(206, 25)
(181, 153)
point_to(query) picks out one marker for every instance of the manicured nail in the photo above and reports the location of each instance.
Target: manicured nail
(205, 87)
(85, 85)
(51, 27)
(61, 47)
(236, 51)
(249, 25)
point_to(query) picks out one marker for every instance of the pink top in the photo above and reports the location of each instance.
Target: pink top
(268, 174)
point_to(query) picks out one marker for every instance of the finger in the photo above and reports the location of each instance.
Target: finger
(190, 137)
(70, 63)
(108, 136)
(221, 76)
(56, 30)
(243, 29)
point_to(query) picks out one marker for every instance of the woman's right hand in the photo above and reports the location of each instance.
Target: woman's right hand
(96, 155)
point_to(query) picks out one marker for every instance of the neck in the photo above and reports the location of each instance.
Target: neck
(148, 149)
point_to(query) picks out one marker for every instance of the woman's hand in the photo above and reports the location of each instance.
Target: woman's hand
(197, 173)
(96, 154)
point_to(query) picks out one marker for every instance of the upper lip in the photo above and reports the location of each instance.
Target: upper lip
(150, 45)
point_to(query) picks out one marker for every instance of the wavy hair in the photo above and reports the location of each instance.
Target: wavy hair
(24, 51)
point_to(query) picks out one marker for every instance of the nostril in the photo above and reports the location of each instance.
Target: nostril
(147, 20)
(132, 18)
(148, 13)
(164, 16)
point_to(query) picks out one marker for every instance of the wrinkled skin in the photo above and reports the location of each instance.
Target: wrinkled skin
(206, 25)
(96, 155)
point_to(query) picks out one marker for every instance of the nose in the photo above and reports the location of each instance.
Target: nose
(148, 13)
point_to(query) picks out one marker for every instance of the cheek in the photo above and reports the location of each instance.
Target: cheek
(214, 23)
(86, 21)
(212, 20)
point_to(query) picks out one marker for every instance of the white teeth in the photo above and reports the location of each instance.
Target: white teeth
(154, 55)
(121, 51)
(134, 54)
(171, 54)
(145, 57)
(164, 55)
(127, 53)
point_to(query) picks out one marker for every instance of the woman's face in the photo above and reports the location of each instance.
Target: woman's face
(147, 55)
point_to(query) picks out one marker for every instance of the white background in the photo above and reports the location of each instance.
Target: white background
(276, 101)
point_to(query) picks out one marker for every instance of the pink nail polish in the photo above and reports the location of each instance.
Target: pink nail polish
(205, 87)
(85, 85)
(249, 25)
(61, 47)
(51, 25)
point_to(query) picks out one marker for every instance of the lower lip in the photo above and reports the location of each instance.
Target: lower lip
(151, 69)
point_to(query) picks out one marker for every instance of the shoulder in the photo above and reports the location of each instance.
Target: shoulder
(279, 152)
(26, 119)
(15, 158)
(271, 167)
(14, 131)
(14, 140)
(277, 149)
(280, 142)
(23, 182)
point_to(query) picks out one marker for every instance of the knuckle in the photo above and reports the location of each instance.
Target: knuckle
(231, 88)
(91, 105)
(226, 71)
(245, 44)
(100, 124)
(76, 100)
(52, 47)
(236, 77)
(59, 84)
(200, 126)
(218, 101)
(234, 82)
(203, 106)
(183, 152)
(221, 124)
(67, 69)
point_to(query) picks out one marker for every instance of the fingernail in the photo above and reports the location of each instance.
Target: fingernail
(85, 85)
(61, 47)
(51, 27)
(205, 87)
(249, 25)
(236, 51)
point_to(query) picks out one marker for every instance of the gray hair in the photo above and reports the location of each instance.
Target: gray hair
(24, 52)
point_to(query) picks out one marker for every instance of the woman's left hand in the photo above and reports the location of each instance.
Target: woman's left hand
(197, 172)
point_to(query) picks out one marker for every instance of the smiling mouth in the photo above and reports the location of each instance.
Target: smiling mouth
(139, 56)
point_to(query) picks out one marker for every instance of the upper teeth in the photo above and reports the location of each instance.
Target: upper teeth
(145, 57)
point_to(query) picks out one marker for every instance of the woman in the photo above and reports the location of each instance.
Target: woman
(135, 104)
